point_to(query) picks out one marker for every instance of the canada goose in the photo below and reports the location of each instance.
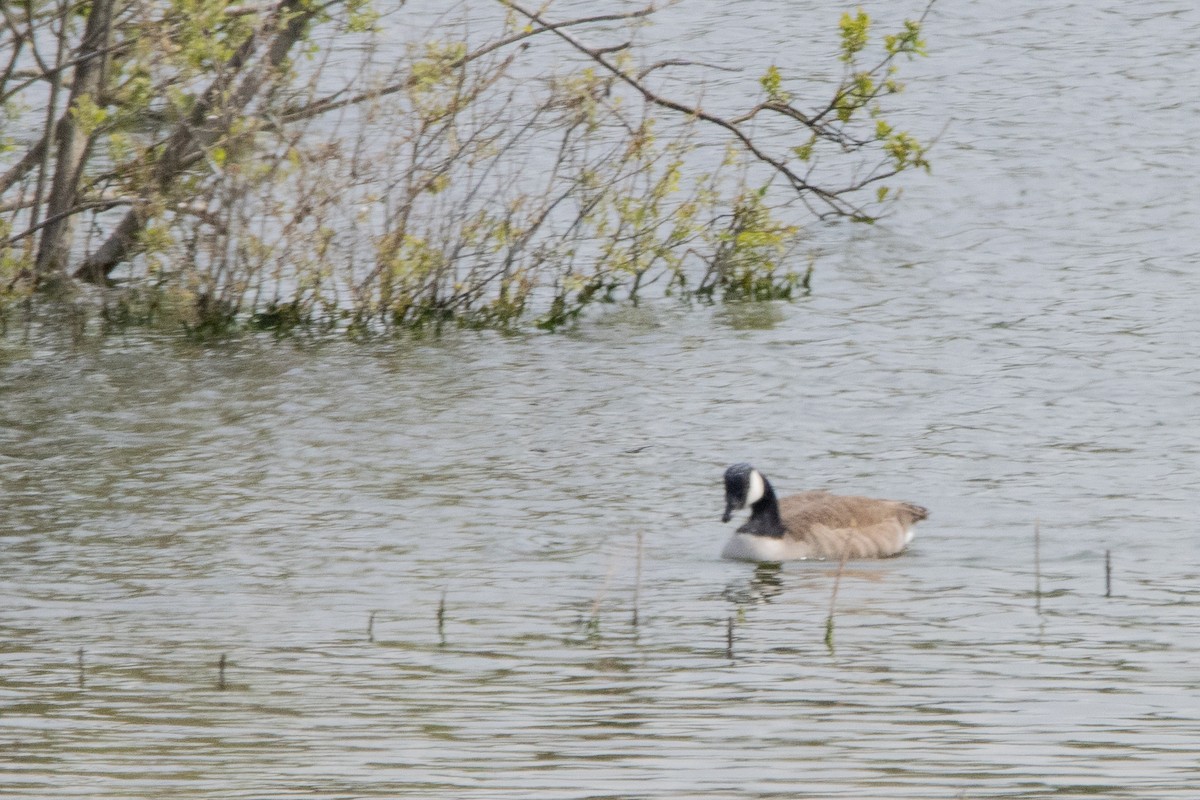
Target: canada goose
(812, 524)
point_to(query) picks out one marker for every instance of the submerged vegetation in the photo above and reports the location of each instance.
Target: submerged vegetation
(296, 163)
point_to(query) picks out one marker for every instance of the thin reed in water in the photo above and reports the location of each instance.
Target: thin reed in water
(441, 618)
(837, 581)
(637, 583)
(1037, 566)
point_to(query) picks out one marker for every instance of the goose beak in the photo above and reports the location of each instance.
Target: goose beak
(729, 508)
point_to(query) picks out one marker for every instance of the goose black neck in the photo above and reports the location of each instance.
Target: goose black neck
(764, 515)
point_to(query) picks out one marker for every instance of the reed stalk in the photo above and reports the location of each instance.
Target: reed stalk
(637, 582)
(441, 618)
(1037, 566)
(837, 581)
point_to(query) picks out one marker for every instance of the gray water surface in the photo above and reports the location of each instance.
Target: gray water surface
(1015, 348)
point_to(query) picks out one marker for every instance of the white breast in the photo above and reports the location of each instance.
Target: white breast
(749, 547)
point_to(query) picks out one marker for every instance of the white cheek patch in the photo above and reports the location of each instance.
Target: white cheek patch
(756, 488)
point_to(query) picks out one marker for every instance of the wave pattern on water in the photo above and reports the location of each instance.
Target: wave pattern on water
(1015, 348)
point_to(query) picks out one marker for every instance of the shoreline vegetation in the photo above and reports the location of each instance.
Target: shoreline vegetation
(290, 165)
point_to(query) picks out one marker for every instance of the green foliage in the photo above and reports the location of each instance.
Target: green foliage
(749, 260)
(14, 265)
(211, 318)
(88, 115)
(572, 298)
(433, 84)
(855, 30)
(281, 317)
(804, 152)
(200, 315)
(460, 191)
(859, 91)
(361, 17)
(860, 96)
(908, 41)
(772, 84)
(906, 151)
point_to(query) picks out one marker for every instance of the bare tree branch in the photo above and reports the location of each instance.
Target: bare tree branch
(32, 157)
(211, 117)
(798, 182)
(333, 103)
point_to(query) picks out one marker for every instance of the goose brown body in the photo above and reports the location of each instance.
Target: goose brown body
(813, 524)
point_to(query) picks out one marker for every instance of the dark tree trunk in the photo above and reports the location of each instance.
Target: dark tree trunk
(72, 144)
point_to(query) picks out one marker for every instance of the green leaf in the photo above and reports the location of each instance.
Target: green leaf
(772, 83)
(855, 30)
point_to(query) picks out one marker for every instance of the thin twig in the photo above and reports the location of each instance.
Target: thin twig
(335, 101)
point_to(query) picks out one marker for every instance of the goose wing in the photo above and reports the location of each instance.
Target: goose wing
(860, 527)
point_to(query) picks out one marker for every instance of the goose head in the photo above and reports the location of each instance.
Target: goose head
(744, 486)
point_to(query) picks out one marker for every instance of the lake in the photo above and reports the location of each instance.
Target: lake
(418, 559)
